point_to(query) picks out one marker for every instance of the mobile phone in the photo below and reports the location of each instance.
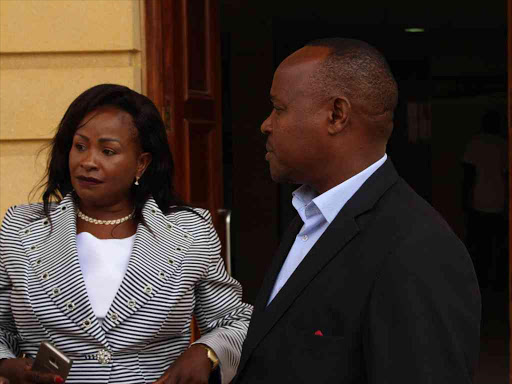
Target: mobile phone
(50, 360)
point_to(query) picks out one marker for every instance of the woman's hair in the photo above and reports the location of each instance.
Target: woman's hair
(157, 180)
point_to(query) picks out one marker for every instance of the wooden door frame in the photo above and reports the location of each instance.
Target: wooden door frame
(509, 102)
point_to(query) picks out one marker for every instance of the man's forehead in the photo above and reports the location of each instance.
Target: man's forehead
(307, 54)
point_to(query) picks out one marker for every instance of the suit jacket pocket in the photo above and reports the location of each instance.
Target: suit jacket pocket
(319, 359)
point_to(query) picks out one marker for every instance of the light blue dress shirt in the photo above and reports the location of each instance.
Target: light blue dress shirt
(317, 212)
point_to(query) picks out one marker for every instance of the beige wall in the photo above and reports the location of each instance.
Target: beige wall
(50, 52)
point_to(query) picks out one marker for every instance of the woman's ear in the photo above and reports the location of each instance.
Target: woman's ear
(143, 162)
(340, 114)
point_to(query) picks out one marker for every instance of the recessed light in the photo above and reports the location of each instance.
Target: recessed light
(414, 30)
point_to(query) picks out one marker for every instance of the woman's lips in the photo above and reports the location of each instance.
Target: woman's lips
(88, 181)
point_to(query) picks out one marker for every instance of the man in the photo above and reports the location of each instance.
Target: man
(369, 284)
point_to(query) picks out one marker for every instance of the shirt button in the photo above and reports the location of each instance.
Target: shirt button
(87, 323)
(114, 316)
(56, 291)
(132, 303)
(305, 238)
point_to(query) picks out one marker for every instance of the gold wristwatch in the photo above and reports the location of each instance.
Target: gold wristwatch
(214, 360)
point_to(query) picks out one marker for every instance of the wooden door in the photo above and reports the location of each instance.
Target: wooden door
(183, 79)
(509, 65)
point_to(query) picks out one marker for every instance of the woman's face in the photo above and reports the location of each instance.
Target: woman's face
(105, 158)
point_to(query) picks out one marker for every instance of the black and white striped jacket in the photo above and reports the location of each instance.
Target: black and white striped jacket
(173, 273)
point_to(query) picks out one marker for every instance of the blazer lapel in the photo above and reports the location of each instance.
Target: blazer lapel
(156, 259)
(51, 249)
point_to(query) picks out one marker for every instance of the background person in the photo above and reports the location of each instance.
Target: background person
(484, 200)
(111, 266)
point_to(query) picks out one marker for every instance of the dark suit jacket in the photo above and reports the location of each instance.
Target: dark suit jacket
(390, 287)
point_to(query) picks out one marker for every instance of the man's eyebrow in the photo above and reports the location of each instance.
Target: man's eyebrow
(274, 98)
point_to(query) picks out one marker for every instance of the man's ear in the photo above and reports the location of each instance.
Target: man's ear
(340, 114)
(143, 162)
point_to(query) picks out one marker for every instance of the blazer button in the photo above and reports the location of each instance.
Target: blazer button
(104, 357)
(87, 323)
(132, 303)
(161, 275)
(114, 316)
(70, 306)
(148, 289)
(56, 291)
(45, 276)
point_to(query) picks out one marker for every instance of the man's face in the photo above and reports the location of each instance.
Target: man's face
(295, 127)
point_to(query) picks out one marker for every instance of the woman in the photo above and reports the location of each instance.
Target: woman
(111, 267)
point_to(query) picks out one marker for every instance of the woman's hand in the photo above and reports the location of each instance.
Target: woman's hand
(18, 371)
(193, 366)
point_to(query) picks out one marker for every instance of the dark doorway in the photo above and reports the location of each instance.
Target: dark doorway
(449, 76)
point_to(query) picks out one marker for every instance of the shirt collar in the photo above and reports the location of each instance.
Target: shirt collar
(307, 202)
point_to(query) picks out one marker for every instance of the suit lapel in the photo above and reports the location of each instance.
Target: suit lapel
(334, 239)
(277, 262)
(156, 259)
(51, 249)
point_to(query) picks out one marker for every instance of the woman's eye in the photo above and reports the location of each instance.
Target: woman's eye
(108, 152)
(79, 146)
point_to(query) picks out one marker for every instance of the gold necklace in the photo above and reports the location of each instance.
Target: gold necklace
(83, 216)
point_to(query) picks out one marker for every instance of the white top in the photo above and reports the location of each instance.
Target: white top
(103, 264)
(317, 212)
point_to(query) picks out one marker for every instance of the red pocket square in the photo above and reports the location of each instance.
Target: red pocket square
(319, 333)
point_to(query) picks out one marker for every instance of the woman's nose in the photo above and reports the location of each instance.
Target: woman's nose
(88, 160)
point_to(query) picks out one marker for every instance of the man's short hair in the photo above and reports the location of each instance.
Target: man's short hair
(359, 71)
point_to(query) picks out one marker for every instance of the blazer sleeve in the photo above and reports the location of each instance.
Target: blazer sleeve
(424, 315)
(9, 336)
(222, 317)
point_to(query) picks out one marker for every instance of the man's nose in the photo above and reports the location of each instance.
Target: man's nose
(266, 126)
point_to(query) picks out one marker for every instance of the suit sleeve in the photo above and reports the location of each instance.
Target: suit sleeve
(222, 317)
(9, 347)
(424, 315)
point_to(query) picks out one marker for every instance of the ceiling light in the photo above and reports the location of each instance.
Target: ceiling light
(414, 30)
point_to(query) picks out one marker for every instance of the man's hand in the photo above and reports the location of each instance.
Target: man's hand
(18, 371)
(192, 367)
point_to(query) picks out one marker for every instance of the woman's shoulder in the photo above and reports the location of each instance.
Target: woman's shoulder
(24, 214)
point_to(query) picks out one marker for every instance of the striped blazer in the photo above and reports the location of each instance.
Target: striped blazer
(175, 271)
